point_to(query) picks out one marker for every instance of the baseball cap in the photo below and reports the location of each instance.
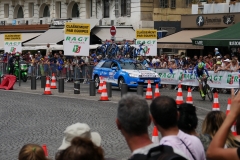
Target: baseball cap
(219, 57)
(79, 130)
(216, 49)
(227, 60)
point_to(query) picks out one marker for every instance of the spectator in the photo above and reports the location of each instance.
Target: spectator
(225, 63)
(217, 67)
(216, 148)
(133, 120)
(217, 53)
(32, 152)
(48, 50)
(188, 120)
(81, 149)
(79, 130)
(233, 66)
(208, 63)
(172, 64)
(162, 64)
(165, 118)
(210, 126)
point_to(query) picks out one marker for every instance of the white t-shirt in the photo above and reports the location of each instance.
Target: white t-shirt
(144, 150)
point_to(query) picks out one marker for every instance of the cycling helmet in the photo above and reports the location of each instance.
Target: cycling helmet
(200, 65)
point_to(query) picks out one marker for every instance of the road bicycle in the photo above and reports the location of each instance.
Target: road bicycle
(113, 50)
(141, 51)
(103, 49)
(206, 89)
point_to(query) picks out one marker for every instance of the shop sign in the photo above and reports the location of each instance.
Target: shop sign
(60, 22)
(13, 43)
(228, 19)
(149, 40)
(207, 21)
(200, 43)
(76, 39)
(234, 43)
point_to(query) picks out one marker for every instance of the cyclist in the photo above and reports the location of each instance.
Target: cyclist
(200, 70)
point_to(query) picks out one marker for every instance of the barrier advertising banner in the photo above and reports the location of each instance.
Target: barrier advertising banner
(76, 39)
(221, 79)
(13, 43)
(149, 40)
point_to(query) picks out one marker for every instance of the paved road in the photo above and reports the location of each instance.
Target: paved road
(29, 117)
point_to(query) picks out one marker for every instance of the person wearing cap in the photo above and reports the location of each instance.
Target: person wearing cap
(218, 66)
(79, 130)
(217, 53)
(225, 63)
(200, 72)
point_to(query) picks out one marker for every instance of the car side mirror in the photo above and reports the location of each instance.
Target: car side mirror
(114, 68)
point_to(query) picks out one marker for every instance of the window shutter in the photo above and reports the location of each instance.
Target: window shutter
(128, 8)
(116, 8)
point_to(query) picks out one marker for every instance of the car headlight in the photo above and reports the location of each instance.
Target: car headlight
(157, 75)
(134, 75)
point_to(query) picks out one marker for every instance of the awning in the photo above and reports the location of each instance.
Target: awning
(182, 39)
(122, 33)
(227, 37)
(51, 36)
(25, 37)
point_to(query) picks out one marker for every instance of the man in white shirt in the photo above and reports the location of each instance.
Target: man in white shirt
(133, 119)
(165, 117)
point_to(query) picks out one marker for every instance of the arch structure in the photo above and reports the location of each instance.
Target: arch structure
(18, 12)
(73, 10)
(44, 10)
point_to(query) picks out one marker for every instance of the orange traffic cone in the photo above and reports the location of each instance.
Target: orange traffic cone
(179, 99)
(149, 91)
(104, 95)
(100, 85)
(228, 106)
(215, 106)
(53, 83)
(47, 90)
(157, 93)
(155, 138)
(233, 129)
(189, 96)
(44, 147)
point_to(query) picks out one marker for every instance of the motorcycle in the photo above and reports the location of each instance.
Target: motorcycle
(23, 70)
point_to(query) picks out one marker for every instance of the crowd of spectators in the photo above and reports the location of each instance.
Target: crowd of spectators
(177, 125)
(214, 62)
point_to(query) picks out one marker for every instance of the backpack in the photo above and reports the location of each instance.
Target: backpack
(161, 152)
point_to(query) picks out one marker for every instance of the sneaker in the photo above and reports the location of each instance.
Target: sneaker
(202, 94)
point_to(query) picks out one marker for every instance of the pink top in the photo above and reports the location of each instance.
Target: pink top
(192, 142)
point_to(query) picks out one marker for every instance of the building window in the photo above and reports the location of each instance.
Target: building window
(106, 9)
(91, 8)
(31, 9)
(6, 10)
(163, 3)
(173, 3)
(116, 8)
(46, 11)
(58, 9)
(20, 13)
(75, 11)
(128, 8)
(123, 8)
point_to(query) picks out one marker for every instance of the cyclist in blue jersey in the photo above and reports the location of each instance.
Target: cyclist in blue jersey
(200, 71)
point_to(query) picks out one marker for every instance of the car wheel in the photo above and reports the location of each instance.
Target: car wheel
(97, 81)
(120, 82)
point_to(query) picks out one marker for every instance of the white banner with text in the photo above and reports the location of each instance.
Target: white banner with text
(221, 79)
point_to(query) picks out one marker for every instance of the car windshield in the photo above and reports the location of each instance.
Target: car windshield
(132, 66)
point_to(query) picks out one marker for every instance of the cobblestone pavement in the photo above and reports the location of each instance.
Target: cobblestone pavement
(29, 117)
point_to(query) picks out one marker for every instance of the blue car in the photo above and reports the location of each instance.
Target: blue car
(124, 71)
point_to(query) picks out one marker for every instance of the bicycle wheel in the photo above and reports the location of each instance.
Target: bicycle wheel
(209, 92)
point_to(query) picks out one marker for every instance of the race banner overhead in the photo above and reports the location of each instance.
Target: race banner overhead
(146, 41)
(221, 79)
(76, 39)
(13, 43)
